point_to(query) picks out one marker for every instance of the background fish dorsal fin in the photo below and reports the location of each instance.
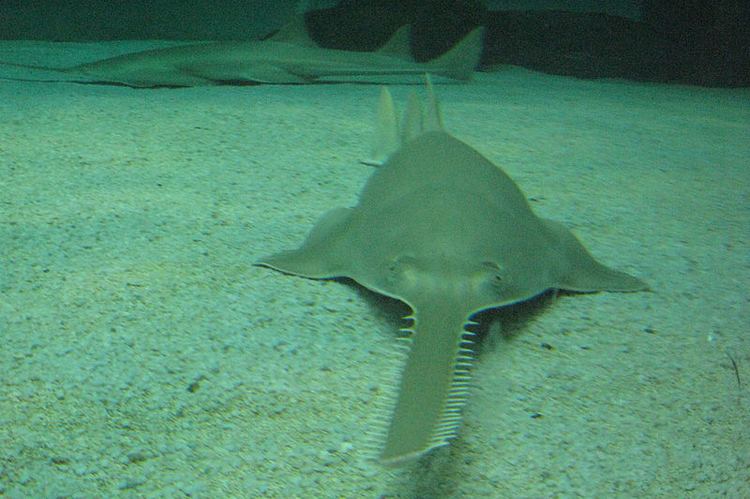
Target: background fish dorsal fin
(294, 32)
(399, 45)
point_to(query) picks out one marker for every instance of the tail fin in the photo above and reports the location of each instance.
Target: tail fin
(460, 61)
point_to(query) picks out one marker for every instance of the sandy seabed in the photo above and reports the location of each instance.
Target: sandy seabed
(143, 355)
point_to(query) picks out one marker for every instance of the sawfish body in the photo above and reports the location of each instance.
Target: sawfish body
(288, 57)
(441, 228)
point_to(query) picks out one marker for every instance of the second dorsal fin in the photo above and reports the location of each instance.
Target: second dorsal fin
(294, 32)
(399, 44)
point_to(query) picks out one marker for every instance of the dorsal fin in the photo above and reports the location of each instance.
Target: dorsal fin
(399, 45)
(420, 118)
(417, 119)
(461, 60)
(387, 138)
(294, 32)
(432, 118)
(412, 124)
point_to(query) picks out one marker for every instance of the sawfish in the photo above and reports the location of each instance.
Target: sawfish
(290, 56)
(441, 228)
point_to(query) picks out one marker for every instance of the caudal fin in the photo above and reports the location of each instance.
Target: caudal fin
(460, 61)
